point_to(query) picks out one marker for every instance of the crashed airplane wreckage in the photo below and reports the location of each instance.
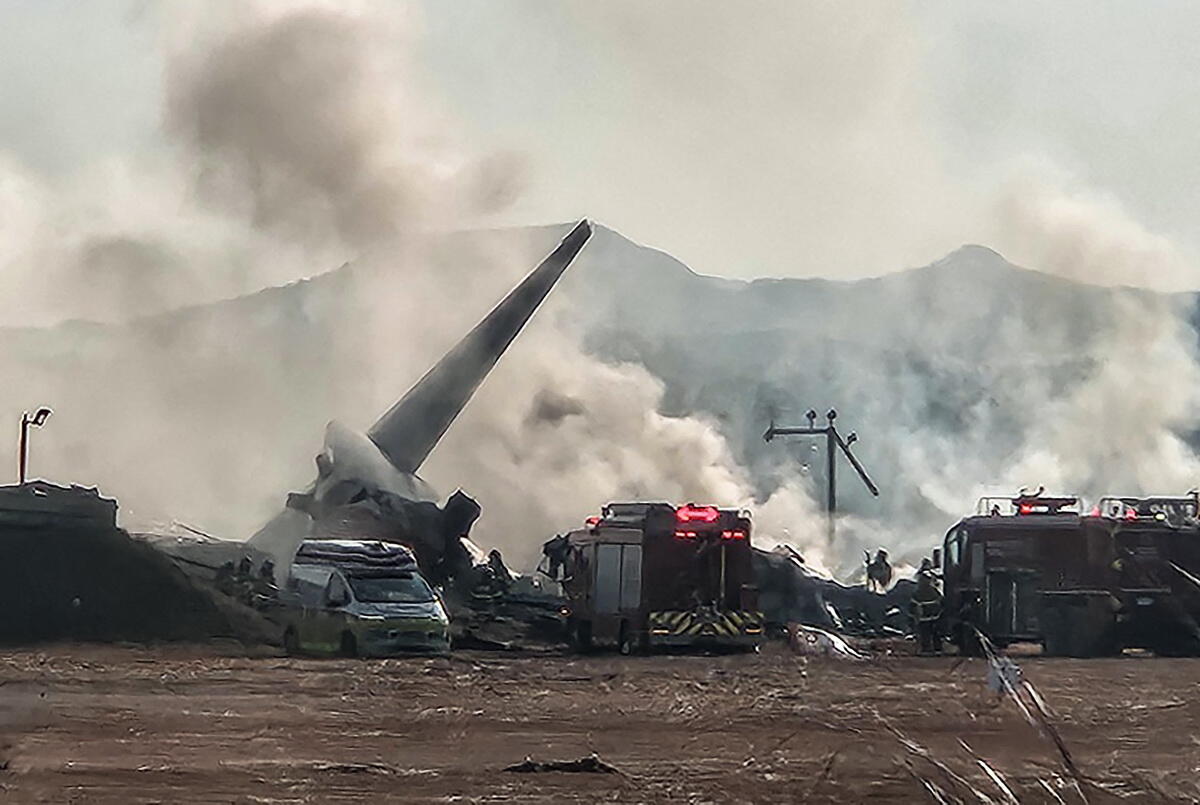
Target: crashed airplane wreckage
(789, 591)
(367, 484)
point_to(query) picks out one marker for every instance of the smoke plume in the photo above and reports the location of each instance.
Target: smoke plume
(298, 138)
(298, 142)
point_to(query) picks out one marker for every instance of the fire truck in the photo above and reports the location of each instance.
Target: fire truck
(1133, 584)
(651, 575)
(1036, 569)
(995, 565)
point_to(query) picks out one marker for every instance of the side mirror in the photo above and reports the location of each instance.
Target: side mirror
(937, 558)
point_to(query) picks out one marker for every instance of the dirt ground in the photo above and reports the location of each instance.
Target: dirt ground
(204, 724)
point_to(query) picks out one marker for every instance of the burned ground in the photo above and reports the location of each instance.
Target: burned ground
(194, 724)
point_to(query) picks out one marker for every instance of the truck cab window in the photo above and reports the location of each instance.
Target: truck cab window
(954, 547)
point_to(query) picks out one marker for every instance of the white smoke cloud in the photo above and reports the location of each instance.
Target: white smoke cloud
(1122, 427)
(298, 138)
(1047, 220)
(297, 141)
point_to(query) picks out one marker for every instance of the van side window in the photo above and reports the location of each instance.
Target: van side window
(310, 575)
(337, 589)
(309, 582)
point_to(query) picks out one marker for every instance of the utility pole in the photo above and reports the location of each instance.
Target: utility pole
(833, 443)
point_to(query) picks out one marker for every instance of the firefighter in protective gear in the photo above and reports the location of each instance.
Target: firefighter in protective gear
(879, 571)
(926, 610)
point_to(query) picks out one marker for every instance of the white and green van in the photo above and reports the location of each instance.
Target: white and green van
(361, 598)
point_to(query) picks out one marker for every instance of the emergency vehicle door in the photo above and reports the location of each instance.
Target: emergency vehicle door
(631, 577)
(1011, 602)
(618, 578)
(608, 579)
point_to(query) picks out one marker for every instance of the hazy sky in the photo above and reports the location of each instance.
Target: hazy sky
(751, 138)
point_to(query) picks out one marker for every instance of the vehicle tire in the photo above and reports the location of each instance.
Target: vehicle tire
(1177, 645)
(349, 646)
(581, 636)
(967, 641)
(1061, 624)
(291, 643)
(1083, 627)
(627, 642)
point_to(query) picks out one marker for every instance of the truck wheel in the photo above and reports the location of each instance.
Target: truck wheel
(581, 636)
(291, 643)
(1083, 629)
(968, 642)
(1061, 630)
(1179, 645)
(627, 643)
(349, 645)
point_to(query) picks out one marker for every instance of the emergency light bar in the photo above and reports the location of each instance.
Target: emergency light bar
(724, 534)
(691, 513)
(1025, 505)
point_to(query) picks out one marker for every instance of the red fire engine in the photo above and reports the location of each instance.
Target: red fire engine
(646, 575)
(1034, 568)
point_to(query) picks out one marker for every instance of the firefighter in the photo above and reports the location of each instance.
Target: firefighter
(879, 571)
(263, 590)
(244, 581)
(500, 571)
(926, 609)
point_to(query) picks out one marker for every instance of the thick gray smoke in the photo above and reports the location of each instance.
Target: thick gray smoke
(299, 139)
(1124, 426)
(1014, 381)
(299, 129)
(297, 143)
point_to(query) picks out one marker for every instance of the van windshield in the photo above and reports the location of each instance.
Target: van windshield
(402, 588)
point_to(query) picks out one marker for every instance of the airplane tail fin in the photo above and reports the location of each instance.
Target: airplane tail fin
(412, 427)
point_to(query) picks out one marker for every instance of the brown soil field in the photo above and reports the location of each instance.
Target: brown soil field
(182, 724)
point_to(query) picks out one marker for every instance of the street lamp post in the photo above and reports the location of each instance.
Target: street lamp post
(833, 443)
(37, 420)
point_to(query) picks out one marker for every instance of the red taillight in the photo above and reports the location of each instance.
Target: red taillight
(733, 535)
(685, 535)
(1025, 508)
(697, 514)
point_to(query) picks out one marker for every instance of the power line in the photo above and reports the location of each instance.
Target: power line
(833, 443)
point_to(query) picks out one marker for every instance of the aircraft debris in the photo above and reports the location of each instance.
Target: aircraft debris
(1033, 707)
(367, 486)
(592, 764)
(369, 483)
(792, 592)
(810, 641)
(1002, 675)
